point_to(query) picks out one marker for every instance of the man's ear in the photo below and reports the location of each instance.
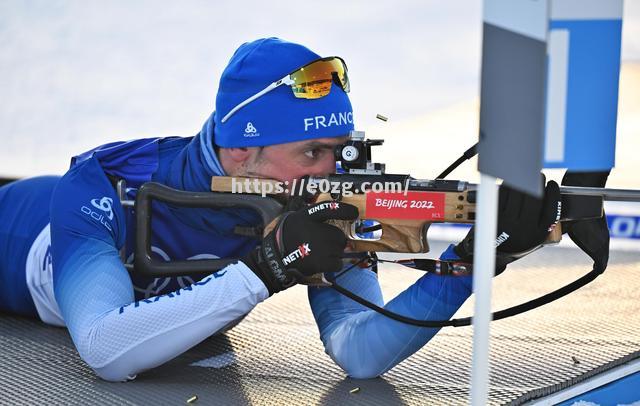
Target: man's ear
(233, 159)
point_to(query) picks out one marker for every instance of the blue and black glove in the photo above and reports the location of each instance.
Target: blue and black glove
(524, 222)
(301, 244)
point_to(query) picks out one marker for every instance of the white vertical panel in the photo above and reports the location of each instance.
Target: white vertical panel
(557, 81)
(484, 264)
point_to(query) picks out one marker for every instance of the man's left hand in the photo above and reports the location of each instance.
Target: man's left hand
(524, 222)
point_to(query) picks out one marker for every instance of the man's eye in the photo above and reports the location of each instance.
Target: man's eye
(313, 153)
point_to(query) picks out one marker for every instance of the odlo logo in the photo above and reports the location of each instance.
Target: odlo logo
(105, 205)
(251, 131)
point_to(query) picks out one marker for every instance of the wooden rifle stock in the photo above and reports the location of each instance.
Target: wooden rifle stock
(403, 219)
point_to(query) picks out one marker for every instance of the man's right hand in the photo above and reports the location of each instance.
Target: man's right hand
(301, 244)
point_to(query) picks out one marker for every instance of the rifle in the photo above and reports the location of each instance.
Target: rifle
(390, 220)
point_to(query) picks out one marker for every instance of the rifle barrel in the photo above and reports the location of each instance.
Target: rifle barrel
(612, 195)
(608, 194)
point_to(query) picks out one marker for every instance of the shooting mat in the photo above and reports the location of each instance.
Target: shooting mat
(275, 356)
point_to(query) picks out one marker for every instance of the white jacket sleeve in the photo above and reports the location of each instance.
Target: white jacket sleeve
(118, 337)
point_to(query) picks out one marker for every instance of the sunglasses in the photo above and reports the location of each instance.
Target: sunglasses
(312, 81)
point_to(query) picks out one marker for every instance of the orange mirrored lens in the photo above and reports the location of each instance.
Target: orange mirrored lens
(314, 80)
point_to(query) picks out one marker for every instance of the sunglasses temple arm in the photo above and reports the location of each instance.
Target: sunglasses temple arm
(284, 80)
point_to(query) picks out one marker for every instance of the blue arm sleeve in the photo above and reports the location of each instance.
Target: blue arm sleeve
(365, 343)
(116, 336)
(87, 227)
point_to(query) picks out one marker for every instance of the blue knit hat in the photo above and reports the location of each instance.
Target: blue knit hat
(278, 116)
